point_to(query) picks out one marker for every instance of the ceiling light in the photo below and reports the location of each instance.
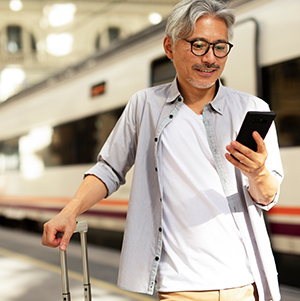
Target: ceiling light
(59, 44)
(11, 81)
(61, 14)
(15, 5)
(155, 18)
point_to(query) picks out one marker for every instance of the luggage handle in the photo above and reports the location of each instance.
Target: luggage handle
(82, 228)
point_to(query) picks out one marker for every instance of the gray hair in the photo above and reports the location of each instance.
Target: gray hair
(185, 14)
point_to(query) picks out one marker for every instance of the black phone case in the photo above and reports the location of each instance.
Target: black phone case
(254, 121)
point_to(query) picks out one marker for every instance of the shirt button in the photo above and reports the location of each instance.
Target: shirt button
(155, 139)
(160, 229)
(170, 116)
(155, 168)
(156, 258)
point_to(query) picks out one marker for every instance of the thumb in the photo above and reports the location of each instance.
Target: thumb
(259, 141)
(65, 240)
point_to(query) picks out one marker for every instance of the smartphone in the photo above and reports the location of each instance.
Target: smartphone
(254, 121)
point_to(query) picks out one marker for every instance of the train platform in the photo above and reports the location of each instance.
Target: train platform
(29, 271)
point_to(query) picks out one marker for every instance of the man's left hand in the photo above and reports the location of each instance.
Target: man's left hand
(262, 185)
(249, 162)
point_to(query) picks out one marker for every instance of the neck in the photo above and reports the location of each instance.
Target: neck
(196, 98)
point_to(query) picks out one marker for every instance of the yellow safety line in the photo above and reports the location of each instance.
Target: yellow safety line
(74, 275)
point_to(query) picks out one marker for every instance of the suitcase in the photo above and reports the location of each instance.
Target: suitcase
(82, 228)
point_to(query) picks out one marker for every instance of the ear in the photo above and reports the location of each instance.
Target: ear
(168, 47)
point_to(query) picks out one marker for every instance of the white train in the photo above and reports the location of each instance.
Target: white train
(51, 133)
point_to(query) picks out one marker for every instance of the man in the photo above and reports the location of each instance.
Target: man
(194, 227)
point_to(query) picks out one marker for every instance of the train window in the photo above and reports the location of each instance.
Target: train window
(104, 39)
(32, 42)
(281, 90)
(14, 39)
(162, 71)
(79, 142)
(98, 42)
(113, 34)
(9, 155)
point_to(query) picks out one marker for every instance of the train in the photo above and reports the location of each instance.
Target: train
(51, 132)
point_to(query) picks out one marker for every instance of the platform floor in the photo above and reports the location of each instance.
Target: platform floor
(31, 272)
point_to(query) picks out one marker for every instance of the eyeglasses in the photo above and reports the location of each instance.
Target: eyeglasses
(200, 47)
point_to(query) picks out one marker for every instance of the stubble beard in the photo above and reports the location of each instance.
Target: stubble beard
(199, 85)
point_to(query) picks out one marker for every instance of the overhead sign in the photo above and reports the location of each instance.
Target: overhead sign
(98, 89)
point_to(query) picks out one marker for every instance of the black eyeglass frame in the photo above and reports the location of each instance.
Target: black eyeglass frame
(213, 44)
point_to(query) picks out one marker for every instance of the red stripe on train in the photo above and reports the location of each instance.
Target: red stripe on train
(103, 213)
(285, 210)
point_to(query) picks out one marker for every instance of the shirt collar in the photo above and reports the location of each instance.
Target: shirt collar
(217, 103)
(173, 92)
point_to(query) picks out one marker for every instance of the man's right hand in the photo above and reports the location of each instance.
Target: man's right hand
(91, 191)
(60, 223)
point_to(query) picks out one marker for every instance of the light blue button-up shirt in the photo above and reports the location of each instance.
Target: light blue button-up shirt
(135, 140)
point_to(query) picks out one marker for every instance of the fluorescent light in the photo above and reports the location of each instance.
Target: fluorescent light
(11, 80)
(61, 14)
(59, 44)
(15, 5)
(155, 18)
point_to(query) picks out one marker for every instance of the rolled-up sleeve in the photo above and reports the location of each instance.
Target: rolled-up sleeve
(104, 172)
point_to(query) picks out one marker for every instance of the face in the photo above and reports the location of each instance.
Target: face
(198, 72)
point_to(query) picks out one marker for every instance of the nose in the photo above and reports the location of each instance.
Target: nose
(209, 56)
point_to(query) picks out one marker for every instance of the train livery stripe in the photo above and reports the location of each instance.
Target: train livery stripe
(110, 208)
(280, 228)
(105, 213)
(285, 229)
(285, 210)
(45, 200)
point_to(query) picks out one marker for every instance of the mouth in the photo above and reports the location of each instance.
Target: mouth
(206, 70)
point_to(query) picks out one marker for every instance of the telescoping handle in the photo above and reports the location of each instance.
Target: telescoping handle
(82, 228)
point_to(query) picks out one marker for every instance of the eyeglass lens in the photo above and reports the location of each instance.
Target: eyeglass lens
(201, 47)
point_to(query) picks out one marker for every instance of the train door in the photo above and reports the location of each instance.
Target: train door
(282, 92)
(241, 71)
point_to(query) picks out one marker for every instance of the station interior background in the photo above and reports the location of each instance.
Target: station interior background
(41, 38)
(38, 38)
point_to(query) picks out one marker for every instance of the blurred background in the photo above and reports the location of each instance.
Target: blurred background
(67, 70)
(39, 37)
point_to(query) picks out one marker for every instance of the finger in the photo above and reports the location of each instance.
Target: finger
(66, 239)
(233, 160)
(261, 147)
(240, 160)
(240, 148)
(49, 238)
(234, 149)
(236, 162)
